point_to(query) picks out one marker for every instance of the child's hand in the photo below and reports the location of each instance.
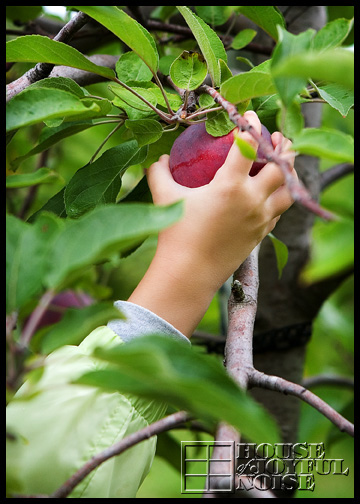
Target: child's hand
(227, 218)
(224, 220)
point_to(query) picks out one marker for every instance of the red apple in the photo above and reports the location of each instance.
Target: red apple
(260, 161)
(196, 155)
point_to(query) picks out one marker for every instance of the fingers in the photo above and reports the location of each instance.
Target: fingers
(271, 176)
(236, 164)
(279, 201)
(158, 176)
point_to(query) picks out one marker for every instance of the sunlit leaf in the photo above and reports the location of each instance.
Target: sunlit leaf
(165, 369)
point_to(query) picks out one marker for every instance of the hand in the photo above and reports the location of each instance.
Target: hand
(227, 218)
(224, 220)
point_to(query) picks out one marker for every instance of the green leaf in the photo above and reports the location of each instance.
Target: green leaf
(161, 368)
(337, 96)
(76, 324)
(50, 136)
(27, 249)
(247, 85)
(146, 131)
(23, 13)
(210, 45)
(214, 15)
(37, 104)
(245, 148)
(332, 34)
(267, 17)
(325, 143)
(290, 120)
(63, 83)
(40, 176)
(39, 49)
(288, 85)
(218, 123)
(334, 65)
(189, 70)
(225, 71)
(130, 67)
(132, 33)
(332, 250)
(99, 182)
(54, 205)
(101, 233)
(134, 106)
(281, 252)
(243, 38)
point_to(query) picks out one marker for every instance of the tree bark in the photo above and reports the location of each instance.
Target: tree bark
(285, 302)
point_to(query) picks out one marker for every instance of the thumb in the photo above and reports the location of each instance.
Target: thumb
(236, 163)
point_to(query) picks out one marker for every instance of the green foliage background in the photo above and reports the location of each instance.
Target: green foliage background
(331, 347)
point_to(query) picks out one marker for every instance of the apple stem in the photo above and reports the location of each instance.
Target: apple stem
(297, 189)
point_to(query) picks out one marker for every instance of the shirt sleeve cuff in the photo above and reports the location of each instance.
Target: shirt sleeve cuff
(140, 321)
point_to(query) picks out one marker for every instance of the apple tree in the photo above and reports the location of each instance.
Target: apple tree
(92, 101)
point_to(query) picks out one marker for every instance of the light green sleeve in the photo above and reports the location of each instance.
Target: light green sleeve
(55, 432)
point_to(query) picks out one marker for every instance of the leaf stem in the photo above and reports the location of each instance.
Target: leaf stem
(158, 82)
(163, 115)
(120, 123)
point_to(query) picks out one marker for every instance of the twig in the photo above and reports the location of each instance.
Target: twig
(35, 317)
(259, 379)
(42, 70)
(184, 31)
(296, 188)
(335, 173)
(325, 379)
(162, 425)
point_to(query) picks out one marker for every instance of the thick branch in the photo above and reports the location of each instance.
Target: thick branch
(242, 311)
(258, 379)
(296, 188)
(82, 77)
(238, 349)
(42, 70)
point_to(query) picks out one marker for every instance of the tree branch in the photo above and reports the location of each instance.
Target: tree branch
(82, 77)
(259, 379)
(333, 174)
(328, 379)
(42, 70)
(238, 348)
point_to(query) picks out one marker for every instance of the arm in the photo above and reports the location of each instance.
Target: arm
(223, 222)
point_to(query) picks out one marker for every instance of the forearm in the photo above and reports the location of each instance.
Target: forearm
(177, 287)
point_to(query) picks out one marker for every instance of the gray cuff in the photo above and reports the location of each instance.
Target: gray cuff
(140, 321)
